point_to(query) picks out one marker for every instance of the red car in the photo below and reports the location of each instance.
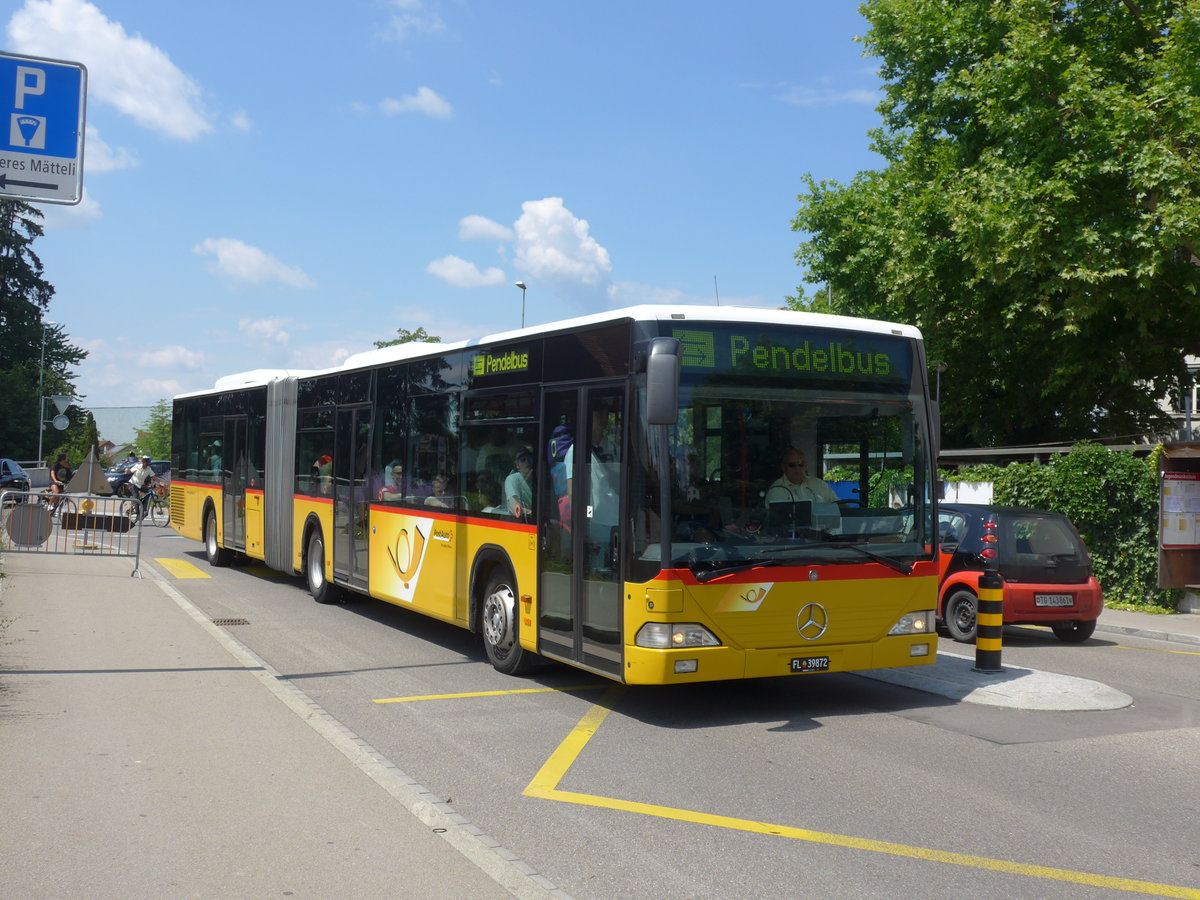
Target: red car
(1046, 569)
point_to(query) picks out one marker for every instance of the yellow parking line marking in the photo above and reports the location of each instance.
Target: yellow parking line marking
(552, 690)
(181, 568)
(1158, 650)
(545, 785)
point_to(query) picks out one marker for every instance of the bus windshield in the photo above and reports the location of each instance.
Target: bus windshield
(773, 464)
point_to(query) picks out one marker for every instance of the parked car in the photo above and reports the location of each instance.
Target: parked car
(1046, 569)
(118, 474)
(12, 476)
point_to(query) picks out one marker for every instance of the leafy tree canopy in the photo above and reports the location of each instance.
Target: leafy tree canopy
(404, 336)
(154, 437)
(1038, 214)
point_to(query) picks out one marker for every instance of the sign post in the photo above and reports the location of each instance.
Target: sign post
(41, 129)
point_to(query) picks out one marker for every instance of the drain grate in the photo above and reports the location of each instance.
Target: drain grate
(227, 622)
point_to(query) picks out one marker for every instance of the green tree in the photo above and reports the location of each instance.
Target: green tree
(404, 336)
(24, 299)
(154, 437)
(1038, 213)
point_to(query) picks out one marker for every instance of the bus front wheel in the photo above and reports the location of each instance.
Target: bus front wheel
(500, 626)
(314, 570)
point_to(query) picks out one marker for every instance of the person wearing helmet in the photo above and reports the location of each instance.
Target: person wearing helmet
(141, 479)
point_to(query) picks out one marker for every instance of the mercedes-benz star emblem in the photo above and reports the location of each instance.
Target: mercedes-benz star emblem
(812, 621)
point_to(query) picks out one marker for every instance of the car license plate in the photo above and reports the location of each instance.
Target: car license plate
(810, 664)
(1053, 599)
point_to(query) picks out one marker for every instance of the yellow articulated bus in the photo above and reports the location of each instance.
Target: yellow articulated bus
(657, 494)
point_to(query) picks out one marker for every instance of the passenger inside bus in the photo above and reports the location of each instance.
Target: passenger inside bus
(393, 485)
(440, 492)
(322, 470)
(518, 486)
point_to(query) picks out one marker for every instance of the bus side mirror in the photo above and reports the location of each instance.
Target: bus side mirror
(662, 381)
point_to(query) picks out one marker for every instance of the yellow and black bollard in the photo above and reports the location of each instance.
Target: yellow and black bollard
(989, 621)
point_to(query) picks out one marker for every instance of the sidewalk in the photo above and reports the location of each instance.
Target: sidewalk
(954, 674)
(144, 753)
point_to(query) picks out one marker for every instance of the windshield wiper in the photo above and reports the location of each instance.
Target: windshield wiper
(777, 559)
(902, 568)
(732, 568)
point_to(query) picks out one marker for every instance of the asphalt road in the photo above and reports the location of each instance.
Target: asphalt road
(825, 785)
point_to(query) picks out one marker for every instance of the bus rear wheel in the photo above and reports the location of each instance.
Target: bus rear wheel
(499, 625)
(314, 571)
(216, 554)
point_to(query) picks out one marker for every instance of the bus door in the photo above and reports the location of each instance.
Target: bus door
(579, 574)
(351, 500)
(233, 483)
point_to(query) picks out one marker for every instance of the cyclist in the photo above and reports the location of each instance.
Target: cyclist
(60, 474)
(141, 481)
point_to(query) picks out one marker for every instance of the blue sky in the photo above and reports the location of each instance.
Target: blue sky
(277, 185)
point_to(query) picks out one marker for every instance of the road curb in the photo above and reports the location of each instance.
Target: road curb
(500, 864)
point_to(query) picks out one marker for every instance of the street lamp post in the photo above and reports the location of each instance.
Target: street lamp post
(522, 286)
(41, 392)
(937, 396)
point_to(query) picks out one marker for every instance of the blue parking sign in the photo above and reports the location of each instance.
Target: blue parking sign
(41, 128)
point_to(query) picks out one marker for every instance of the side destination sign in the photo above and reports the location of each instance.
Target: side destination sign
(41, 129)
(787, 352)
(509, 361)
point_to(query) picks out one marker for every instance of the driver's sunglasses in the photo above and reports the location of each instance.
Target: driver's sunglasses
(525, 457)
(797, 465)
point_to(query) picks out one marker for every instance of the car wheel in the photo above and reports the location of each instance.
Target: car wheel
(314, 570)
(217, 555)
(961, 609)
(1073, 632)
(499, 625)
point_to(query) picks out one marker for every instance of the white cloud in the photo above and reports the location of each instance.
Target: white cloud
(237, 261)
(411, 19)
(270, 330)
(82, 214)
(125, 71)
(425, 101)
(806, 96)
(629, 293)
(151, 390)
(480, 228)
(460, 273)
(99, 157)
(555, 247)
(240, 121)
(174, 357)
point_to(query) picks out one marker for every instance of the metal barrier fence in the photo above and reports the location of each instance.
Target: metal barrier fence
(82, 524)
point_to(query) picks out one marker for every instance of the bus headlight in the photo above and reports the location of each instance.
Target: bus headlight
(914, 623)
(666, 635)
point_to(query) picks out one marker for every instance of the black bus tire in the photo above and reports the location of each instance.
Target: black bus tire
(217, 555)
(314, 571)
(499, 625)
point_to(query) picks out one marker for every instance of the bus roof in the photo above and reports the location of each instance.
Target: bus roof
(644, 313)
(647, 312)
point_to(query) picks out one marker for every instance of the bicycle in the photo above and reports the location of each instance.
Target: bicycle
(153, 506)
(60, 505)
(156, 505)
